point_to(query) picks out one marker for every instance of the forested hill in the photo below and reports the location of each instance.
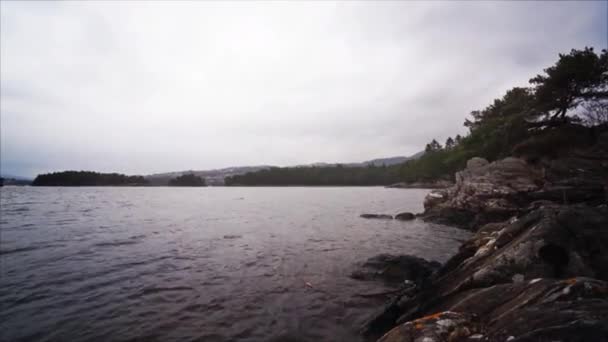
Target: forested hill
(563, 107)
(87, 178)
(313, 175)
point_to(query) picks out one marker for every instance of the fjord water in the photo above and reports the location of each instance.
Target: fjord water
(199, 264)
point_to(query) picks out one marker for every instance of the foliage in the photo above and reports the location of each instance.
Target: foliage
(86, 178)
(509, 124)
(577, 77)
(334, 175)
(187, 180)
(595, 113)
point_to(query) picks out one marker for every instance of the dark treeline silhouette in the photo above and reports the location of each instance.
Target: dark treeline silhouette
(187, 180)
(87, 178)
(557, 110)
(312, 176)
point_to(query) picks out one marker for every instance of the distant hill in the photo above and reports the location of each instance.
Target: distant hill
(14, 180)
(217, 176)
(389, 161)
(212, 177)
(392, 160)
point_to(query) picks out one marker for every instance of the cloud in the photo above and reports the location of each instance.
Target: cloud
(142, 87)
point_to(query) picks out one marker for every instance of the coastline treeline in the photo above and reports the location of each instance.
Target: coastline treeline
(562, 107)
(188, 179)
(87, 178)
(319, 176)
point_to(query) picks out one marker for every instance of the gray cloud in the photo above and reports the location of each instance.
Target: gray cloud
(142, 87)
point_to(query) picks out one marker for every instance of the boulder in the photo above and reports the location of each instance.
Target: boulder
(476, 162)
(434, 198)
(493, 192)
(405, 216)
(396, 269)
(488, 192)
(377, 216)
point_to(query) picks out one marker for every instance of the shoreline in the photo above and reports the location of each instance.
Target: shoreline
(532, 256)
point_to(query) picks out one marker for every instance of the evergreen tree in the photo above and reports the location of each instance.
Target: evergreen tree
(449, 143)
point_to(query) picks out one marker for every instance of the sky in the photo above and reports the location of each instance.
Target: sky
(144, 87)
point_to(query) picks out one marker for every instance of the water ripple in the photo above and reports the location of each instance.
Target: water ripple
(164, 264)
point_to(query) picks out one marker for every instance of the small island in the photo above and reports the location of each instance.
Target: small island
(87, 178)
(188, 179)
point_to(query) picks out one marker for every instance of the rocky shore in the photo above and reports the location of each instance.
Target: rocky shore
(536, 268)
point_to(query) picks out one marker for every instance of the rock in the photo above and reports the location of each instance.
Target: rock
(405, 216)
(377, 216)
(535, 270)
(537, 310)
(493, 192)
(552, 242)
(450, 216)
(477, 162)
(443, 326)
(396, 269)
(434, 198)
(487, 192)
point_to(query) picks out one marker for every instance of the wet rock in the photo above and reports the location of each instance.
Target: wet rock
(547, 243)
(377, 216)
(573, 309)
(405, 216)
(444, 326)
(396, 269)
(450, 216)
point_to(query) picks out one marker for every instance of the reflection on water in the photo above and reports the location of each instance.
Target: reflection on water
(198, 264)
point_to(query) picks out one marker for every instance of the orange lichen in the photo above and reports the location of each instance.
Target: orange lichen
(433, 316)
(418, 326)
(570, 281)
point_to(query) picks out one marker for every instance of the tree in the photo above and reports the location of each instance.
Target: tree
(595, 113)
(579, 76)
(433, 146)
(87, 178)
(449, 143)
(188, 179)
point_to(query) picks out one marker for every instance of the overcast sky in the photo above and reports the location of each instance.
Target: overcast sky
(143, 87)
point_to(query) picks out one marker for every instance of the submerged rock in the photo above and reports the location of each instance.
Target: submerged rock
(405, 216)
(396, 269)
(376, 216)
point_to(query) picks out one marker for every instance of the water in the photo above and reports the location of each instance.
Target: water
(199, 264)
